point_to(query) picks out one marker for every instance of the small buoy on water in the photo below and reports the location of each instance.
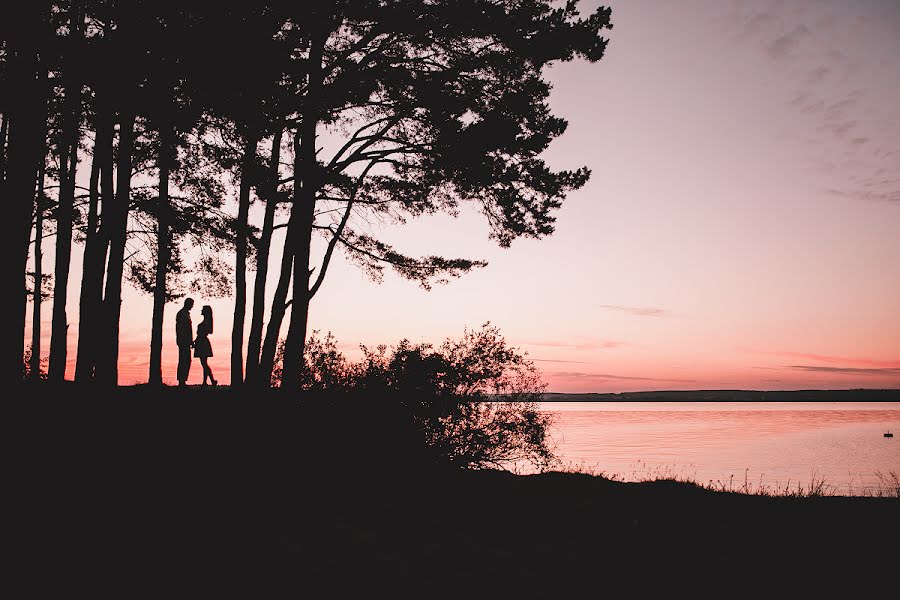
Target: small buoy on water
(888, 434)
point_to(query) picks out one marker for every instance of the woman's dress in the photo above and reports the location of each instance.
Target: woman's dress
(202, 347)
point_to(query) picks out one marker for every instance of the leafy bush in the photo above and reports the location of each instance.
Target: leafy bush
(327, 369)
(474, 399)
(493, 418)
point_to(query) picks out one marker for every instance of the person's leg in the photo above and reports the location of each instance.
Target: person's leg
(205, 365)
(184, 363)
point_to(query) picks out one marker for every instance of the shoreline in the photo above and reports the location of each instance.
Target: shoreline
(848, 395)
(135, 494)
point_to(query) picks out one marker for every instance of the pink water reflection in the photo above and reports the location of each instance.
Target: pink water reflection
(770, 444)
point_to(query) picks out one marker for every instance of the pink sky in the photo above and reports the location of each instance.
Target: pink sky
(739, 229)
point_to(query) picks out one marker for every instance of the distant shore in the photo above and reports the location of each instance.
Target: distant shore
(864, 395)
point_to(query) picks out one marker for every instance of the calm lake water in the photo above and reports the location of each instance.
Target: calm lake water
(769, 444)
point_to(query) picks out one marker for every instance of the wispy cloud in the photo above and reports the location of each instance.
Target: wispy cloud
(829, 359)
(855, 130)
(579, 344)
(574, 362)
(784, 45)
(873, 195)
(582, 376)
(845, 370)
(640, 311)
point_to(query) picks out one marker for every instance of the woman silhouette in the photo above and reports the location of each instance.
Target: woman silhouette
(202, 347)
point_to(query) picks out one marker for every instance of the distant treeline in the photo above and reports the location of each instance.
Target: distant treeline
(146, 130)
(862, 395)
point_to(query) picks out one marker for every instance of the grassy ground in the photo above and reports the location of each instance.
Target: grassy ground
(142, 492)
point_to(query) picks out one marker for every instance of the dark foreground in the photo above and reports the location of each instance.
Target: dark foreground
(192, 495)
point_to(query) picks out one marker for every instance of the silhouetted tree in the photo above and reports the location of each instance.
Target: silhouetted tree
(170, 112)
(416, 108)
(69, 138)
(4, 123)
(245, 87)
(24, 95)
(100, 194)
(442, 103)
(156, 109)
(33, 365)
(37, 297)
(272, 196)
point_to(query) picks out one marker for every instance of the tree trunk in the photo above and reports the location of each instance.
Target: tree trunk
(306, 186)
(25, 110)
(279, 307)
(64, 219)
(248, 170)
(304, 204)
(4, 124)
(68, 161)
(262, 262)
(94, 248)
(107, 366)
(36, 299)
(163, 252)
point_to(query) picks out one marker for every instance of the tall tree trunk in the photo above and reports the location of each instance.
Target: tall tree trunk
(262, 262)
(37, 298)
(306, 186)
(163, 251)
(91, 324)
(68, 161)
(26, 112)
(305, 204)
(64, 220)
(107, 365)
(94, 248)
(248, 173)
(4, 124)
(263, 377)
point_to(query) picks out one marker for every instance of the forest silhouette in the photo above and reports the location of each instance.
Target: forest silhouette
(328, 114)
(384, 476)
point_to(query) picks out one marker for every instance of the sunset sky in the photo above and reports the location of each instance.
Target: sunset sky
(741, 228)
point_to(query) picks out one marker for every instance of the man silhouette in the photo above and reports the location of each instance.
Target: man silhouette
(184, 334)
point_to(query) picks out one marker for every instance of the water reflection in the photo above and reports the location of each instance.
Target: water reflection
(769, 444)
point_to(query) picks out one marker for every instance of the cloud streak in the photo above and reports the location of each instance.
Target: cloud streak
(638, 311)
(838, 360)
(582, 376)
(588, 344)
(845, 370)
(574, 362)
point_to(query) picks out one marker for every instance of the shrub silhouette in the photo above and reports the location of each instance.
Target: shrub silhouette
(475, 400)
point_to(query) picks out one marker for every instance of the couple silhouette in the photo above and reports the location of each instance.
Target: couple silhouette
(200, 344)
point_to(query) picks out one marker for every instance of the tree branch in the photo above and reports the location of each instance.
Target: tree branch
(340, 230)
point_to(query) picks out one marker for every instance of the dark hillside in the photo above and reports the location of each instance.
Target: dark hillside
(201, 493)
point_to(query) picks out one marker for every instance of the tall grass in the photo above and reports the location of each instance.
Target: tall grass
(886, 485)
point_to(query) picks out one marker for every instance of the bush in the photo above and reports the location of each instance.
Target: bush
(475, 400)
(493, 418)
(327, 369)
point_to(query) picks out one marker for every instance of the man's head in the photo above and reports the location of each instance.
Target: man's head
(188, 303)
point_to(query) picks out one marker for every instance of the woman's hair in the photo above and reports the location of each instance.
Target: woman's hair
(207, 312)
